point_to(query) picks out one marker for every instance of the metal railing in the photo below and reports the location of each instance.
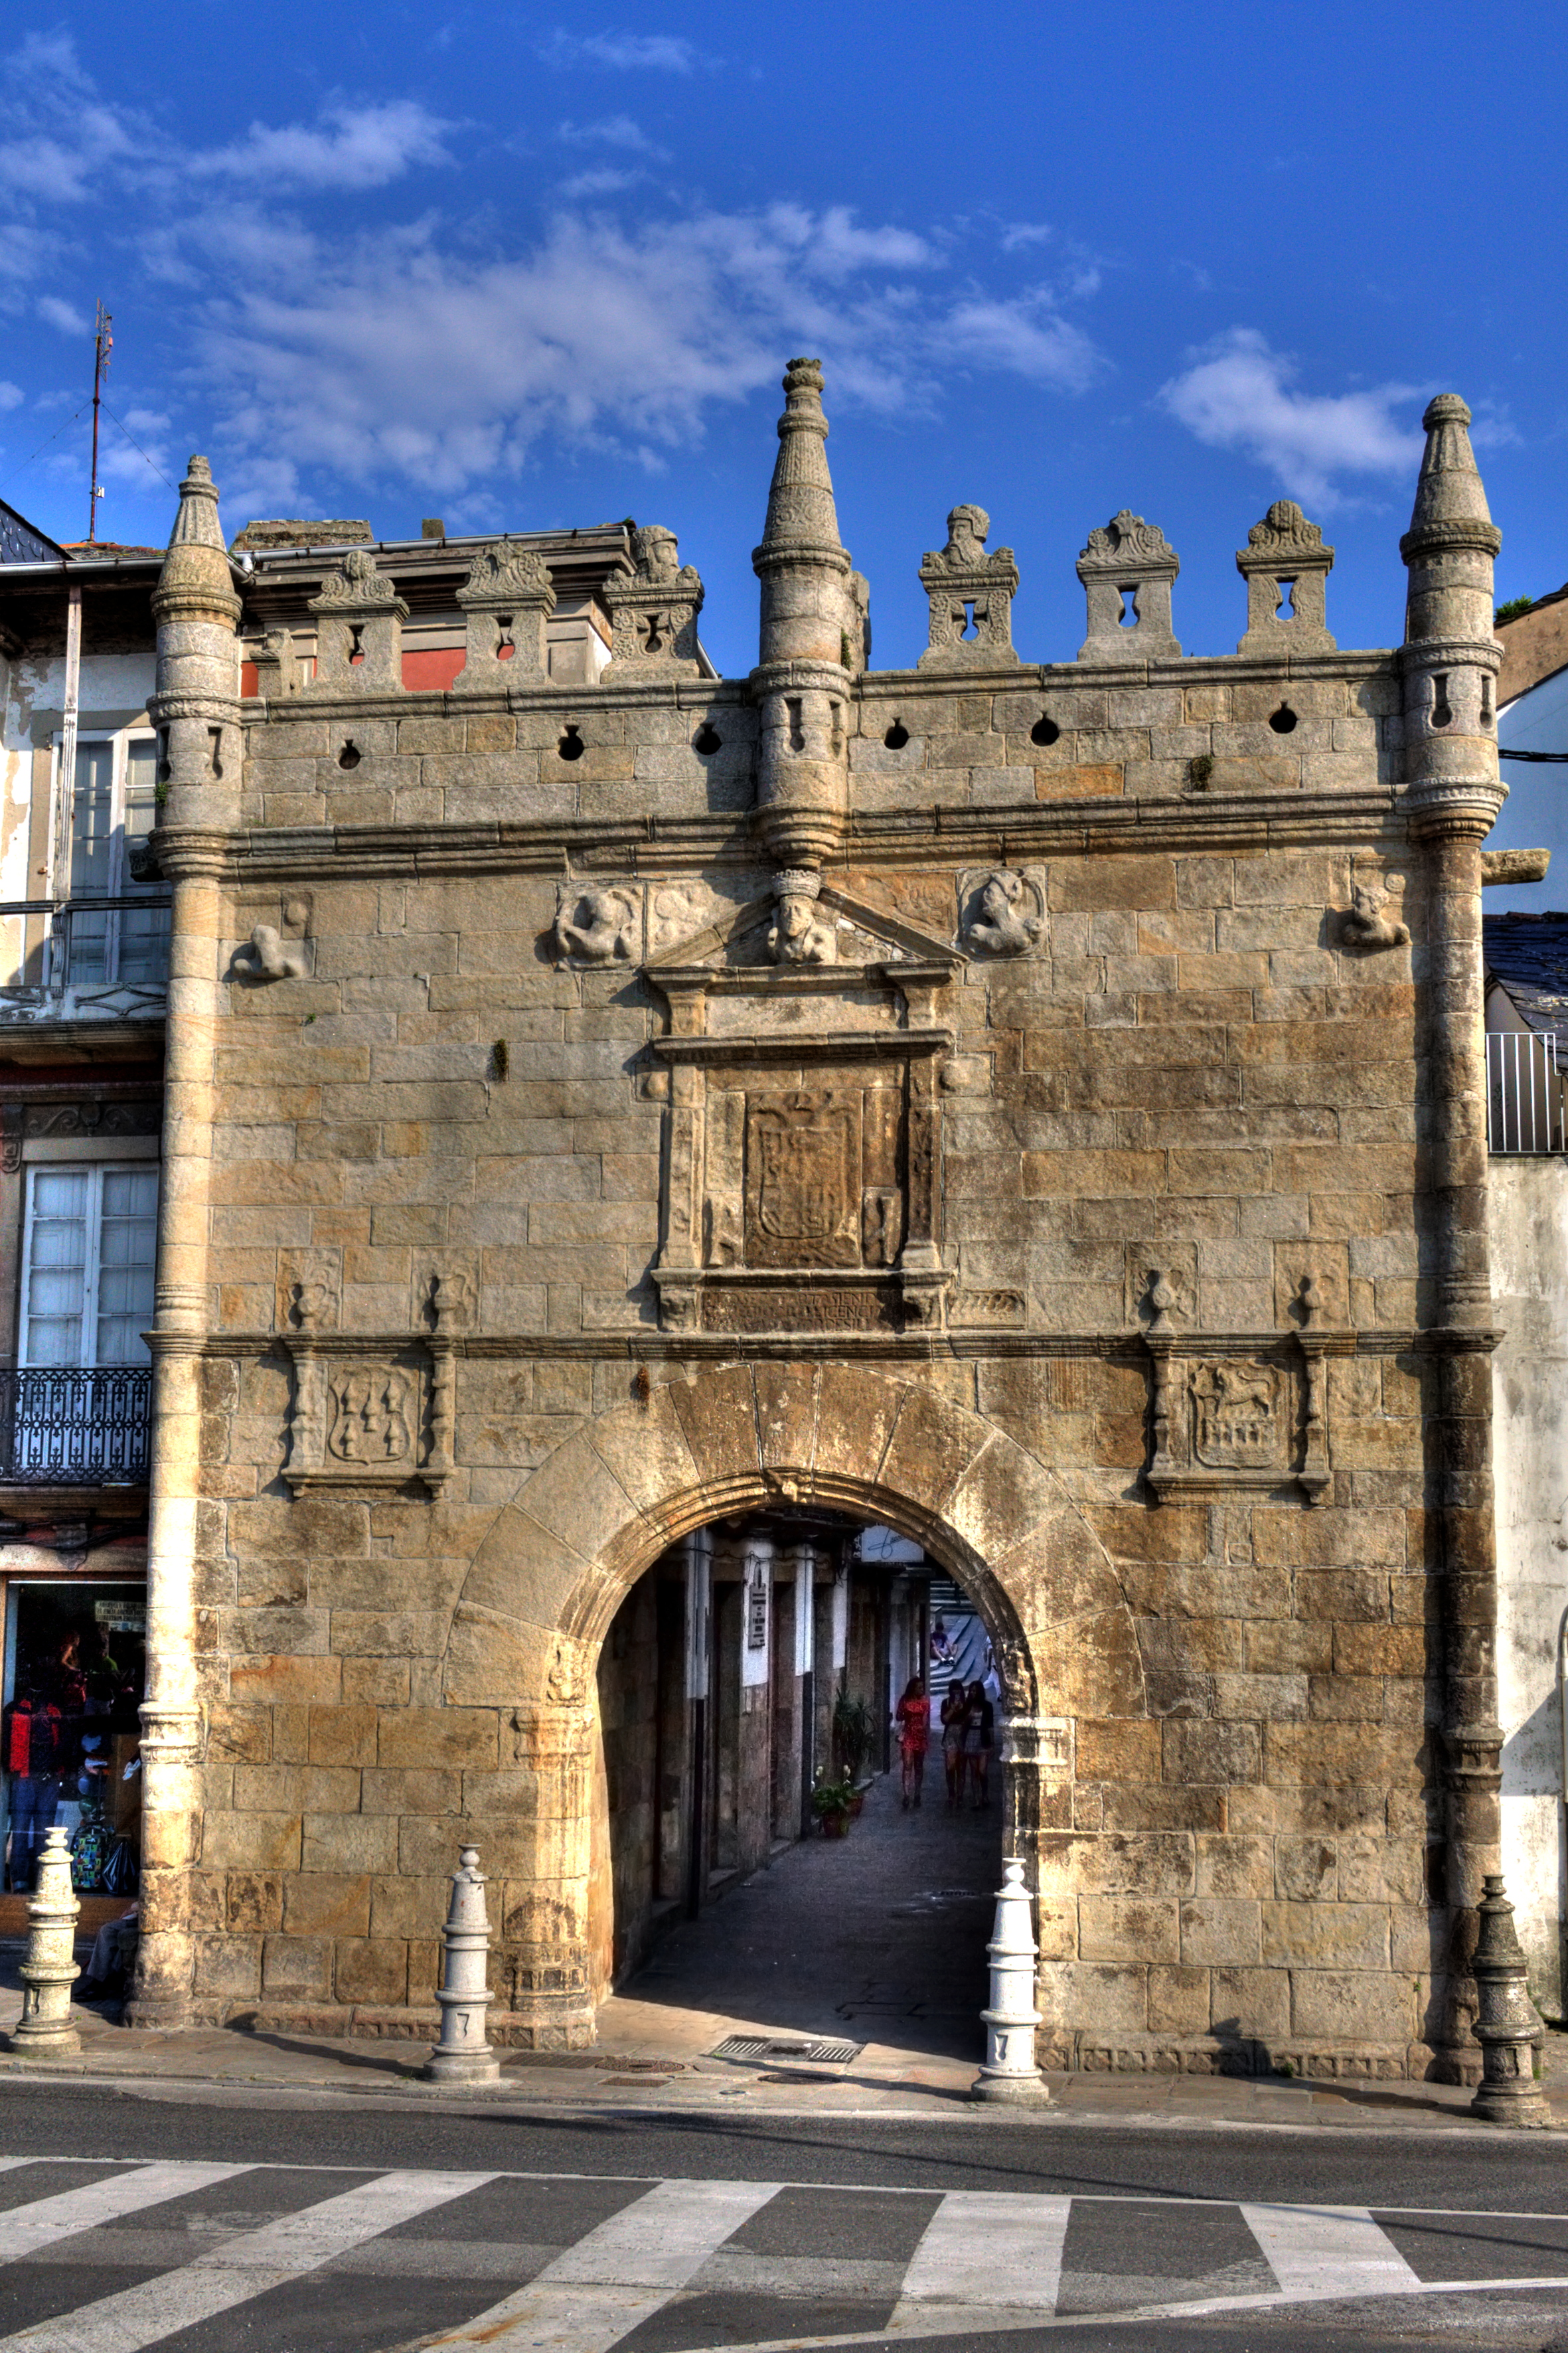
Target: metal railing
(1524, 1092)
(90, 942)
(75, 1426)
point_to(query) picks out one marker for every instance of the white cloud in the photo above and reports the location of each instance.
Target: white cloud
(606, 183)
(398, 354)
(624, 52)
(1238, 394)
(1019, 234)
(616, 130)
(350, 147)
(1027, 336)
(61, 315)
(58, 139)
(11, 395)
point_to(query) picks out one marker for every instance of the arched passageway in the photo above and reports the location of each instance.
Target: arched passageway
(749, 1682)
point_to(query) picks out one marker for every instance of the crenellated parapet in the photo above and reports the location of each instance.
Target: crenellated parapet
(358, 620)
(971, 592)
(1286, 567)
(654, 611)
(507, 600)
(1127, 570)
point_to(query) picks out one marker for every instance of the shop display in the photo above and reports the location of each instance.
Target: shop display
(70, 1733)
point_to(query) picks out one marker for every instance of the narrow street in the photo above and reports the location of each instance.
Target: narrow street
(879, 1938)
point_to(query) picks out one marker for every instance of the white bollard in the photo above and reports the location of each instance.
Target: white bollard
(1010, 2072)
(50, 1971)
(462, 2056)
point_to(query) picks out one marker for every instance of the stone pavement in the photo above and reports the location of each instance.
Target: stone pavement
(877, 1940)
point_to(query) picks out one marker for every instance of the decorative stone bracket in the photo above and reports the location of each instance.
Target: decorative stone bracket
(1240, 1411)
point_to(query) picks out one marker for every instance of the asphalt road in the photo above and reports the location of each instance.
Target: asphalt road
(269, 2223)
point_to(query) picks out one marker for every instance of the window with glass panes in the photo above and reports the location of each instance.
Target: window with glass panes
(90, 1244)
(114, 803)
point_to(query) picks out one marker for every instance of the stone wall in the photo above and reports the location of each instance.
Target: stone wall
(989, 1098)
(1529, 1261)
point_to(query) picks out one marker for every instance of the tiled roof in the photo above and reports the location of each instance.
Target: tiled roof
(1529, 955)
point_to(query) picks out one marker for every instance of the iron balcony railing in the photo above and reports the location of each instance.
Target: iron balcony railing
(87, 942)
(75, 1426)
(1524, 1092)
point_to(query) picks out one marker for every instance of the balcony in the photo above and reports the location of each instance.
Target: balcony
(86, 959)
(1524, 1093)
(76, 1426)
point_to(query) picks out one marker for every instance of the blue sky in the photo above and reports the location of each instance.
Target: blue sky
(523, 266)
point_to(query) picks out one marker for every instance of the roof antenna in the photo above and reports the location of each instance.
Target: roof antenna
(103, 343)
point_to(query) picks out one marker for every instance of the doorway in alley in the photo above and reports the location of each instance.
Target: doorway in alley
(747, 1688)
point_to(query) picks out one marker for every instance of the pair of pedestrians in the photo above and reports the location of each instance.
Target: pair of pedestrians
(968, 1737)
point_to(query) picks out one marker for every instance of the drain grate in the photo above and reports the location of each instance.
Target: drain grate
(762, 2050)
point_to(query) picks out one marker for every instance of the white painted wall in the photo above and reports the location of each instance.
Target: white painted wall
(1529, 1219)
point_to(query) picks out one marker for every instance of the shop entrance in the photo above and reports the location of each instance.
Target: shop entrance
(70, 1751)
(762, 1855)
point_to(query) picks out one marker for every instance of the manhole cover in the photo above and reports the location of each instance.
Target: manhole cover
(762, 2050)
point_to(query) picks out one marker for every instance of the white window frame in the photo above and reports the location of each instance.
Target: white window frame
(88, 1164)
(62, 805)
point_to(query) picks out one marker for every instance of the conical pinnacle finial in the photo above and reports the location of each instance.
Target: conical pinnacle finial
(196, 580)
(1450, 489)
(800, 501)
(196, 524)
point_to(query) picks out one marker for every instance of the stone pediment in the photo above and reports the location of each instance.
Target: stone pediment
(855, 936)
(800, 1065)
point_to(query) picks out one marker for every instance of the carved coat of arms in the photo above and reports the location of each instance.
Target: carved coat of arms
(1236, 1420)
(804, 1179)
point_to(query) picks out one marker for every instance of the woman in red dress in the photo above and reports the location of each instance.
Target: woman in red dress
(912, 1716)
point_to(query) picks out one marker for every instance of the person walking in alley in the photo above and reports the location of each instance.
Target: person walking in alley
(954, 1707)
(912, 1717)
(979, 1738)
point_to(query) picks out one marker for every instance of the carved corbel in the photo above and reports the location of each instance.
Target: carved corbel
(596, 926)
(269, 956)
(1005, 914)
(1367, 925)
(798, 934)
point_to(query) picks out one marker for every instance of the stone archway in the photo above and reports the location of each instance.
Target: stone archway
(553, 1569)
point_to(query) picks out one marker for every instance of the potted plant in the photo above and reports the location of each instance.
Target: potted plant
(853, 1732)
(831, 1802)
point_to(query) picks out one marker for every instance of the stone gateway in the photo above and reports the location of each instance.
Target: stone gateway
(1034, 1107)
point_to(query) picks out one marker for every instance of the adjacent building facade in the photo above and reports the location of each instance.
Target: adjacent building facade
(624, 1130)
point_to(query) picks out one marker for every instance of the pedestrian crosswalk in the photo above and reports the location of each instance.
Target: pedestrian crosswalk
(108, 2257)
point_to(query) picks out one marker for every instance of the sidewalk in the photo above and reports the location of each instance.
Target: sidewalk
(878, 1941)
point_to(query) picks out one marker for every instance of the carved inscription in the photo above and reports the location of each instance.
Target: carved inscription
(803, 1178)
(777, 1309)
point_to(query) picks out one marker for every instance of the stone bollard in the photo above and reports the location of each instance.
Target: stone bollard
(1507, 2026)
(1010, 2072)
(50, 1971)
(462, 2056)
